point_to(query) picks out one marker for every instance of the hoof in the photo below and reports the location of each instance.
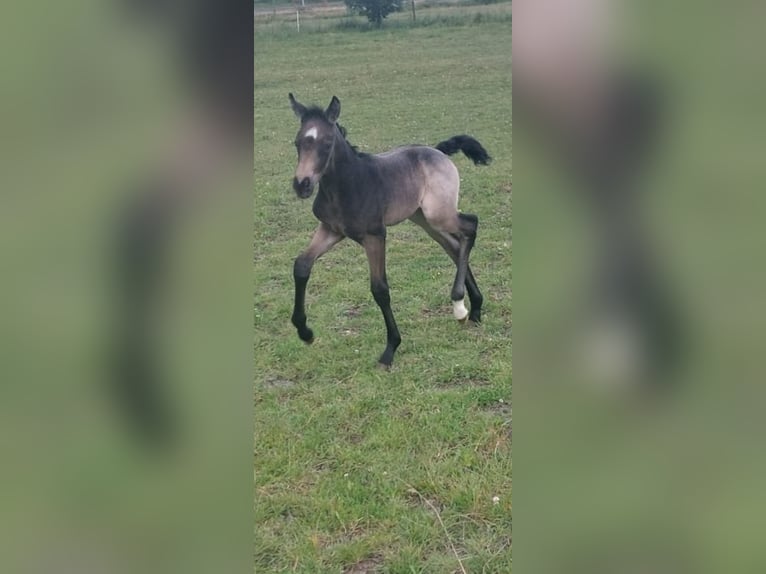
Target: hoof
(459, 310)
(306, 336)
(385, 361)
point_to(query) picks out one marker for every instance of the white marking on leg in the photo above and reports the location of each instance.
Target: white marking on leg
(312, 133)
(459, 310)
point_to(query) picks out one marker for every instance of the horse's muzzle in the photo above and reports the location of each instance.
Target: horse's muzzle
(304, 187)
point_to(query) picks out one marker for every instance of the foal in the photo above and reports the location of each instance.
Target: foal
(360, 194)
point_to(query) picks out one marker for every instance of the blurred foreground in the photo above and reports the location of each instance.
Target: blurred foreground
(638, 287)
(126, 402)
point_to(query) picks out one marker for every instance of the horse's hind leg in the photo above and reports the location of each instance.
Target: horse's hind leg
(452, 246)
(474, 295)
(323, 240)
(468, 224)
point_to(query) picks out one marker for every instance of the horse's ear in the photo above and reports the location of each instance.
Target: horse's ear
(333, 110)
(298, 108)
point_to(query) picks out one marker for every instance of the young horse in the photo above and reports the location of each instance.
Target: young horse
(360, 194)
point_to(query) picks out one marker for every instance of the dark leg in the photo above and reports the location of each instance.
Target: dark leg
(451, 246)
(474, 295)
(375, 247)
(467, 236)
(323, 240)
(144, 233)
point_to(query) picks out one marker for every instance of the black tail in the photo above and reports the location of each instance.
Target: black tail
(469, 146)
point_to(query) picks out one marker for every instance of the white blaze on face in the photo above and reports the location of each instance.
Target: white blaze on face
(307, 159)
(311, 133)
(459, 310)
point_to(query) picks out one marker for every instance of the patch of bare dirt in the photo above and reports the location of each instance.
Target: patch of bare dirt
(352, 311)
(369, 565)
(462, 381)
(273, 382)
(438, 311)
(413, 498)
(355, 438)
(501, 409)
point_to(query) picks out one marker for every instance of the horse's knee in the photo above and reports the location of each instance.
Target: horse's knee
(302, 267)
(470, 218)
(469, 224)
(380, 293)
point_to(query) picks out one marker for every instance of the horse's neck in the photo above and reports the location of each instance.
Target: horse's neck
(342, 166)
(335, 187)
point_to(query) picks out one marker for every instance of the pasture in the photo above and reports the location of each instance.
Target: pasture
(357, 469)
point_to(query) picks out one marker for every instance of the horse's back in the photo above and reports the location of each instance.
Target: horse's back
(415, 153)
(416, 162)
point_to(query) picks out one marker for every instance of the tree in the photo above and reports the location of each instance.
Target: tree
(375, 10)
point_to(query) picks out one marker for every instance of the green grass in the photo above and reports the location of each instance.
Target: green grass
(357, 469)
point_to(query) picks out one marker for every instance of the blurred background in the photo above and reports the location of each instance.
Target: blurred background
(126, 231)
(638, 286)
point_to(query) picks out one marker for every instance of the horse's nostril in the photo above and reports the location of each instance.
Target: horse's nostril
(302, 187)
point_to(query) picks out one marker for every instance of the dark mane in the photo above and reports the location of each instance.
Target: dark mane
(343, 132)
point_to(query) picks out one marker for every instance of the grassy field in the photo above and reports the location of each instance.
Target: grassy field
(357, 469)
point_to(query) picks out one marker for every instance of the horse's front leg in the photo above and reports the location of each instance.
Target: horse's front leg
(375, 247)
(323, 240)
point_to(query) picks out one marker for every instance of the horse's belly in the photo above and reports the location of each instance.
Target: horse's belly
(400, 208)
(397, 217)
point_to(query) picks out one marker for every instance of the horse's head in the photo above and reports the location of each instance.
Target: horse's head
(315, 143)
